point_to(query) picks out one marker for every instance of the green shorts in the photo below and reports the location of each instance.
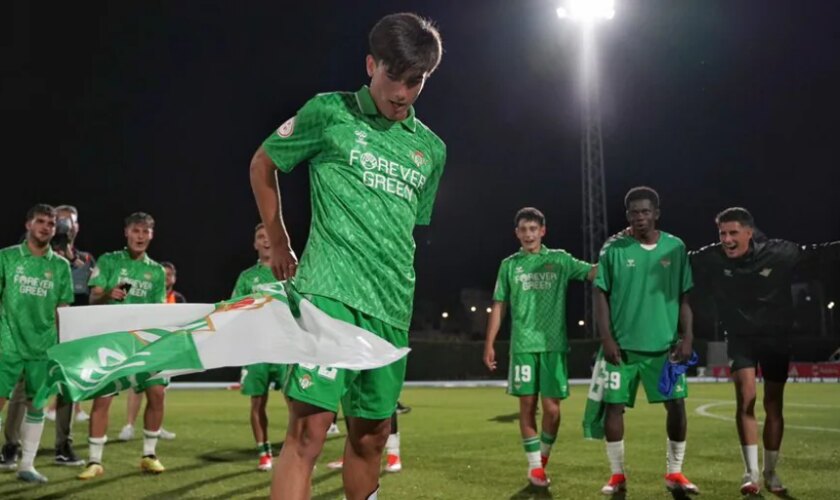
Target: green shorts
(369, 394)
(543, 373)
(12, 367)
(146, 380)
(257, 379)
(622, 381)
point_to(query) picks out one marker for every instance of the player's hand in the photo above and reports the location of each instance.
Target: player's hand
(117, 294)
(682, 351)
(612, 353)
(490, 358)
(284, 262)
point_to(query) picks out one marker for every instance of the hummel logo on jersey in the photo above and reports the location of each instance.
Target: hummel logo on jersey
(360, 137)
(678, 388)
(519, 270)
(123, 272)
(766, 272)
(631, 262)
(665, 263)
(727, 273)
(19, 270)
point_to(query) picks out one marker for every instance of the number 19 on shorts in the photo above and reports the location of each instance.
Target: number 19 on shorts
(521, 374)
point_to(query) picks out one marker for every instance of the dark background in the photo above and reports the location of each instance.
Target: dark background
(158, 106)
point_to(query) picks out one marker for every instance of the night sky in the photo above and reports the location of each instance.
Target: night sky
(158, 106)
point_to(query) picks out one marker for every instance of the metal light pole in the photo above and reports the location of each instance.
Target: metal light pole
(595, 230)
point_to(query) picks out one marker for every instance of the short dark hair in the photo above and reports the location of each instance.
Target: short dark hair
(406, 43)
(259, 226)
(642, 193)
(40, 209)
(168, 264)
(529, 214)
(736, 214)
(140, 218)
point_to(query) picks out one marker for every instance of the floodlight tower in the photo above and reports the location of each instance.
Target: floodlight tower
(587, 13)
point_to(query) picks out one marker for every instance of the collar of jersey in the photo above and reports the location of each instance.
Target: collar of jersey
(127, 256)
(368, 107)
(543, 251)
(26, 252)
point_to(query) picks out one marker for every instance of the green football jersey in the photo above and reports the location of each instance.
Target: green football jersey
(147, 277)
(534, 285)
(372, 180)
(251, 279)
(31, 287)
(644, 288)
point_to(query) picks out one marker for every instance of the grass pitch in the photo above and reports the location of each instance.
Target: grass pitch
(456, 444)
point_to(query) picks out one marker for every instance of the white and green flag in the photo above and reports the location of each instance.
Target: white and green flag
(106, 349)
(594, 412)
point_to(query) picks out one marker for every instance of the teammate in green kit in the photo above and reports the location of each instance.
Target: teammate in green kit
(640, 297)
(257, 378)
(34, 281)
(533, 282)
(374, 171)
(129, 276)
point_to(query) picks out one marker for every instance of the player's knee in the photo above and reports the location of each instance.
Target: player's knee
(371, 442)
(745, 404)
(614, 410)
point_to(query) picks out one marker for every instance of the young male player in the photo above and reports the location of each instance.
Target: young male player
(750, 281)
(374, 170)
(532, 283)
(258, 378)
(34, 281)
(129, 276)
(640, 297)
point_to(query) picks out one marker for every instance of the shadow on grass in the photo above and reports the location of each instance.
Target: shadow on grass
(261, 485)
(505, 419)
(235, 455)
(177, 492)
(531, 492)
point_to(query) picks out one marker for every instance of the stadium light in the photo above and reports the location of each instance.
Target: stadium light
(489, 310)
(831, 305)
(472, 309)
(587, 11)
(444, 315)
(581, 323)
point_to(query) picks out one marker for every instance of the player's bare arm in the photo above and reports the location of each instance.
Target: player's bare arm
(612, 353)
(497, 314)
(267, 193)
(99, 295)
(684, 348)
(592, 273)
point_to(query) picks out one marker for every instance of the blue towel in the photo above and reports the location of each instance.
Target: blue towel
(672, 371)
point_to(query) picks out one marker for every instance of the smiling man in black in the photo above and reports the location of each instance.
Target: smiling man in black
(749, 278)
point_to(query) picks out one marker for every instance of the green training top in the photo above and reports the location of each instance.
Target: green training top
(372, 180)
(31, 287)
(147, 277)
(644, 288)
(251, 279)
(534, 284)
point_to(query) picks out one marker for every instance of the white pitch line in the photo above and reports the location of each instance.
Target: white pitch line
(730, 401)
(704, 411)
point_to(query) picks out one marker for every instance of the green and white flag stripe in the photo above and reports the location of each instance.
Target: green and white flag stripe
(594, 413)
(106, 349)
